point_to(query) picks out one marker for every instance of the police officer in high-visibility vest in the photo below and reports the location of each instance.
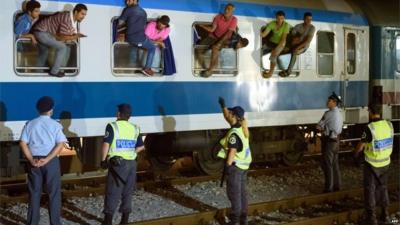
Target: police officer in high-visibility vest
(121, 144)
(236, 151)
(377, 144)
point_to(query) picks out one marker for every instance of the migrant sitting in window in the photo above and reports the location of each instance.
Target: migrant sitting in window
(135, 18)
(279, 30)
(223, 26)
(157, 32)
(298, 41)
(54, 32)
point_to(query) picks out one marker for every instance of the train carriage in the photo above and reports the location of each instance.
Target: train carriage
(179, 112)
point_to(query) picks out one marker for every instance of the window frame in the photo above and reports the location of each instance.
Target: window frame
(40, 74)
(397, 53)
(355, 53)
(318, 54)
(193, 52)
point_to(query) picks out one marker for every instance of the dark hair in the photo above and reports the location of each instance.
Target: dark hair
(244, 42)
(125, 111)
(375, 109)
(32, 5)
(307, 14)
(230, 4)
(79, 7)
(280, 13)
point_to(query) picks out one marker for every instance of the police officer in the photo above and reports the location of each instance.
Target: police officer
(377, 144)
(121, 144)
(41, 141)
(331, 126)
(236, 151)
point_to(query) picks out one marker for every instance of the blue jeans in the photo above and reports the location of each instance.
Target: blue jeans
(237, 194)
(50, 176)
(149, 46)
(46, 41)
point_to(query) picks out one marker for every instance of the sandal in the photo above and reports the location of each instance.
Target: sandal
(283, 73)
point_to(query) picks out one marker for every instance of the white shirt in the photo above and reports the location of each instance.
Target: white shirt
(74, 23)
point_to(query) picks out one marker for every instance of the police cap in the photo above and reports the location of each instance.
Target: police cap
(44, 104)
(237, 111)
(335, 97)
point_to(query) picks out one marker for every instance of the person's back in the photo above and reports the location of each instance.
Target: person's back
(58, 23)
(135, 19)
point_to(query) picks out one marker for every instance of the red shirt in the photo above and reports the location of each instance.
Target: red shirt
(223, 25)
(59, 23)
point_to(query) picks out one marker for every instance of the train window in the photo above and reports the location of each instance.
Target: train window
(283, 59)
(398, 53)
(325, 52)
(27, 56)
(351, 53)
(227, 64)
(129, 60)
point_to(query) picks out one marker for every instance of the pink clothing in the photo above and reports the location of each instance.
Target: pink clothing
(153, 34)
(222, 25)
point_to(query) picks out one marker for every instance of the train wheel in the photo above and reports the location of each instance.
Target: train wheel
(208, 162)
(295, 154)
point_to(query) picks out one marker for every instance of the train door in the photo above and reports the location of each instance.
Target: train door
(354, 77)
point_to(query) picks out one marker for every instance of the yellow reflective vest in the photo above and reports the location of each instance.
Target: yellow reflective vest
(124, 141)
(378, 151)
(242, 158)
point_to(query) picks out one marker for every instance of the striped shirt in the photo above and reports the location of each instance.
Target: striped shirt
(59, 23)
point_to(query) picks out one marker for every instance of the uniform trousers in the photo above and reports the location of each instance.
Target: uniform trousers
(48, 175)
(121, 181)
(330, 164)
(237, 194)
(375, 187)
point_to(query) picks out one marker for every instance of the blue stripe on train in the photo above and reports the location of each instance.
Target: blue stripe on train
(99, 99)
(242, 9)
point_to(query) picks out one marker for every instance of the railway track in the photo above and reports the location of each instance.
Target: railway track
(95, 185)
(348, 208)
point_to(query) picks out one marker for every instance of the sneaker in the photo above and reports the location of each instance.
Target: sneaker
(208, 73)
(148, 72)
(59, 74)
(266, 74)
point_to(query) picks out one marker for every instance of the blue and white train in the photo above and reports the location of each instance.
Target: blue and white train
(180, 113)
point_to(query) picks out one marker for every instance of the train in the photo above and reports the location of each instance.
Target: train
(179, 114)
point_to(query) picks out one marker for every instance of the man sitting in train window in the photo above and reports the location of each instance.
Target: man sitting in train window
(54, 31)
(135, 18)
(223, 26)
(279, 30)
(301, 36)
(157, 32)
(24, 23)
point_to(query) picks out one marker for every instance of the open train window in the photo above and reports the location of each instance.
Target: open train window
(129, 60)
(227, 64)
(325, 52)
(398, 54)
(351, 53)
(283, 60)
(27, 55)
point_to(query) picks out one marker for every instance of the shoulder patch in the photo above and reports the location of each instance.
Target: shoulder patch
(232, 140)
(107, 134)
